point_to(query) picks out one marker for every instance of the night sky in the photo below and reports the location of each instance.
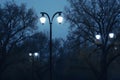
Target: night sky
(49, 6)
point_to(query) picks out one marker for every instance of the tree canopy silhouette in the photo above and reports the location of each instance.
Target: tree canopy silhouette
(90, 17)
(16, 23)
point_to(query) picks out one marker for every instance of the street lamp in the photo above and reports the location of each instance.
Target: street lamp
(43, 20)
(32, 56)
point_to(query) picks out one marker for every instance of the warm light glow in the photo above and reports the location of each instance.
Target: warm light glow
(43, 20)
(35, 54)
(60, 19)
(30, 54)
(98, 36)
(111, 35)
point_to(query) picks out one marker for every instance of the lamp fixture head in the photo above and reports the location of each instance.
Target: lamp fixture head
(111, 35)
(43, 19)
(59, 18)
(97, 36)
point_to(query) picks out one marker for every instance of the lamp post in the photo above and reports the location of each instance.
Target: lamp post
(43, 20)
(32, 56)
(105, 42)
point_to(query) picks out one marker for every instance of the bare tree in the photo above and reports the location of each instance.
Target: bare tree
(16, 22)
(91, 17)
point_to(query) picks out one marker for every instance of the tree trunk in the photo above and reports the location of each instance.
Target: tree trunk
(2, 62)
(103, 67)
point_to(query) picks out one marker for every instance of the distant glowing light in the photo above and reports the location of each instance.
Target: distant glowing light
(35, 54)
(30, 54)
(97, 36)
(111, 35)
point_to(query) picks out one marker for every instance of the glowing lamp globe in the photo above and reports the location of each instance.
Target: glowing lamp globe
(36, 54)
(30, 54)
(111, 35)
(42, 20)
(60, 19)
(97, 36)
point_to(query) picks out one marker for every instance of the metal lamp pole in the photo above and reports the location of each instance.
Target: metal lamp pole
(50, 45)
(32, 56)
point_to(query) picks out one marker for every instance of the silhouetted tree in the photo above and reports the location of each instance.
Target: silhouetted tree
(88, 18)
(16, 22)
(38, 42)
(38, 65)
